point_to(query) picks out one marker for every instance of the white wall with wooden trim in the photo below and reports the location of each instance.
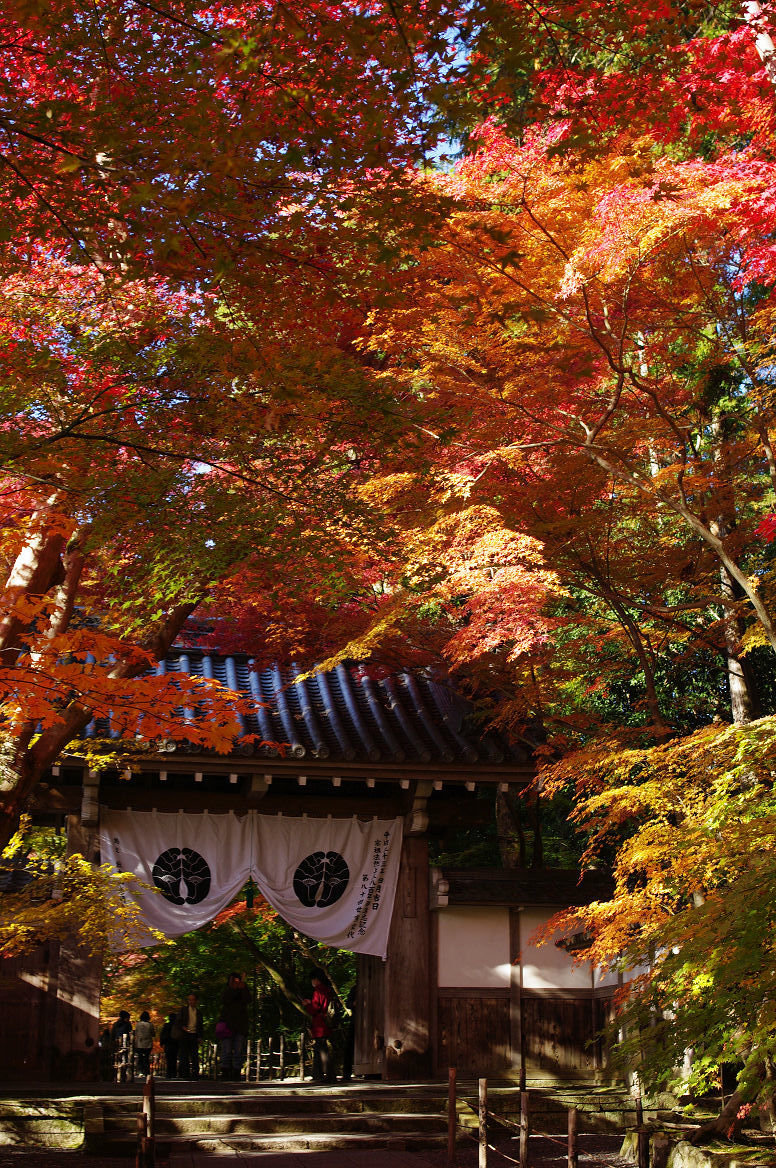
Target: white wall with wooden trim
(473, 947)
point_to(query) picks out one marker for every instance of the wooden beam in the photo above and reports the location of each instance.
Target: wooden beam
(456, 774)
(165, 799)
(446, 810)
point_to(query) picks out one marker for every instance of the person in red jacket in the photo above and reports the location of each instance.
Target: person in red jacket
(318, 1007)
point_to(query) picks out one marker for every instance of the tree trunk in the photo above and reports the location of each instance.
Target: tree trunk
(744, 703)
(537, 857)
(37, 569)
(511, 836)
(744, 706)
(726, 1125)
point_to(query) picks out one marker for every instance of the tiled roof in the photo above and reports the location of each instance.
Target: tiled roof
(347, 714)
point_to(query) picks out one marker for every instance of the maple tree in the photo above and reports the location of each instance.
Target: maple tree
(179, 289)
(107, 558)
(50, 894)
(590, 333)
(256, 185)
(534, 420)
(691, 826)
(609, 309)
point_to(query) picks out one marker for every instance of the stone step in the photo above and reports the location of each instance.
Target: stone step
(312, 1142)
(231, 1124)
(311, 1102)
(41, 1126)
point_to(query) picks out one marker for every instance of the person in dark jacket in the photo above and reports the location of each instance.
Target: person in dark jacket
(192, 1029)
(122, 1026)
(121, 1036)
(318, 1009)
(232, 1026)
(169, 1042)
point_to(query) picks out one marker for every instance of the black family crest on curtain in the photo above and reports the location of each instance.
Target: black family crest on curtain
(333, 879)
(182, 876)
(321, 879)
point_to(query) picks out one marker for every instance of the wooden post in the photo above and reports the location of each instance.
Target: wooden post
(74, 974)
(258, 1060)
(573, 1154)
(302, 1043)
(643, 1148)
(483, 1157)
(642, 1136)
(149, 1112)
(524, 1129)
(282, 1067)
(452, 1117)
(142, 1140)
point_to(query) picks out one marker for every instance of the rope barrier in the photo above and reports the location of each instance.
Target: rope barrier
(483, 1114)
(472, 1136)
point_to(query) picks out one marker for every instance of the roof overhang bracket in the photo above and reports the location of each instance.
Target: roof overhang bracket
(417, 820)
(259, 785)
(90, 799)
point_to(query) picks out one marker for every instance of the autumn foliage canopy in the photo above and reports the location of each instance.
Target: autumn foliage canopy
(404, 332)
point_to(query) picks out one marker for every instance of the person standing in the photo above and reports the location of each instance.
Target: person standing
(318, 1008)
(232, 1027)
(144, 1041)
(168, 1039)
(192, 1029)
(121, 1038)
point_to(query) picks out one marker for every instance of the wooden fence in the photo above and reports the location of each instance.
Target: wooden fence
(523, 1130)
(280, 1057)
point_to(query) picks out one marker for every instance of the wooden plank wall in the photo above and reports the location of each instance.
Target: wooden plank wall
(473, 1031)
(75, 1054)
(49, 1015)
(560, 1034)
(477, 1034)
(27, 992)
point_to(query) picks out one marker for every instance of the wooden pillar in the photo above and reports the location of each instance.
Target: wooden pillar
(75, 1054)
(407, 970)
(369, 1017)
(516, 1019)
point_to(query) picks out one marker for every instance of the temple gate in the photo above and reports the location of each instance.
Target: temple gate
(347, 743)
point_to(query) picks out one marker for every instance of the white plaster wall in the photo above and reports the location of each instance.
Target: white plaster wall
(474, 947)
(606, 977)
(547, 966)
